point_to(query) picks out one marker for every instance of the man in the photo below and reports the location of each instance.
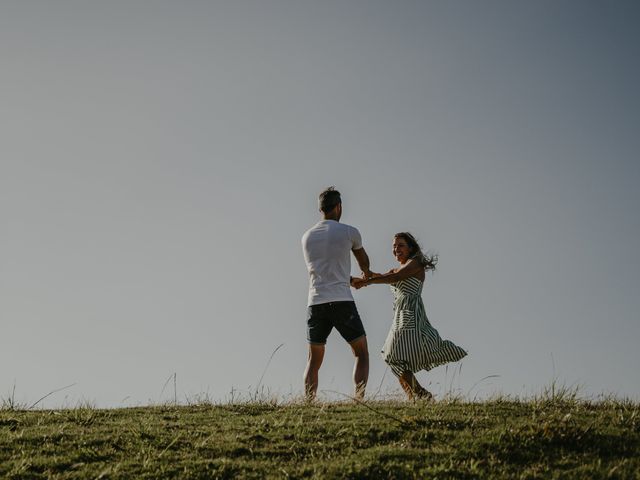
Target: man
(327, 248)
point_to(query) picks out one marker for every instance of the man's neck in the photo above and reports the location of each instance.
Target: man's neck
(331, 217)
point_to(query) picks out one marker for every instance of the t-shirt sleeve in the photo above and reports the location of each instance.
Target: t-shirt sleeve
(356, 239)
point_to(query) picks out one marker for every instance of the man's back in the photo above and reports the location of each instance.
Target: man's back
(327, 250)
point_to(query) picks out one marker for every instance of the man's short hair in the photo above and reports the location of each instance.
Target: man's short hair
(328, 199)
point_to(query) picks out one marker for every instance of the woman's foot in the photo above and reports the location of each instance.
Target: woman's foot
(412, 388)
(424, 394)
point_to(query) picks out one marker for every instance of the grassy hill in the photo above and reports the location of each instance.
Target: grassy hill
(555, 438)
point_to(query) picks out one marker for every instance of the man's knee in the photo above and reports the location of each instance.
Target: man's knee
(316, 355)
(363, 357)
(362, 354)
(360, 349)
(314, 364)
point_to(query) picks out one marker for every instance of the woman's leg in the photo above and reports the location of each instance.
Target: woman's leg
(406, 387)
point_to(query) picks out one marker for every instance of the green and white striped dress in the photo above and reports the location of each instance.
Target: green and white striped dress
(413, 344)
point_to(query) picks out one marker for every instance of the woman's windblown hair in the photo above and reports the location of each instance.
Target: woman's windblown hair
(428, 261)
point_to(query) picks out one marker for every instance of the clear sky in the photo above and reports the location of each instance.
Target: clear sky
(161, 160)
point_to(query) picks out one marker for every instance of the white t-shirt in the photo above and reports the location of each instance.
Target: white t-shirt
(327, 250)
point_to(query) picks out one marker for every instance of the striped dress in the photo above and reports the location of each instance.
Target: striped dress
(413, 344)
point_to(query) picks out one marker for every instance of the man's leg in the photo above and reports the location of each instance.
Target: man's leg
(316, 355)
(361, 367)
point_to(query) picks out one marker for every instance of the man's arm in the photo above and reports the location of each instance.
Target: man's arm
(363, 261)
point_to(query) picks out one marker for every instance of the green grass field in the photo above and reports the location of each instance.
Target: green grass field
(552, 438)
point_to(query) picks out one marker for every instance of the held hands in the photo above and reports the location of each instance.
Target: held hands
(358, 283)
(363, 281)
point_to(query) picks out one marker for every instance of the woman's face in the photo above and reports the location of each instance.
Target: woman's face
(401, 249)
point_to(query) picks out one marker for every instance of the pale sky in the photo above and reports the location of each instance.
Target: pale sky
(161, 160)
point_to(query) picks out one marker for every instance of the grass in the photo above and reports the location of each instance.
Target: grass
(553, 436)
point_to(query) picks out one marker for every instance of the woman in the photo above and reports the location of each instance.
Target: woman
(412, 344)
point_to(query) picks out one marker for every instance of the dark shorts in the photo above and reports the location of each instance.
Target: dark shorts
(343, 315)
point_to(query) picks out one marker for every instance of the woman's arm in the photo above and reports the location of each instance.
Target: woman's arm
(407, 270)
